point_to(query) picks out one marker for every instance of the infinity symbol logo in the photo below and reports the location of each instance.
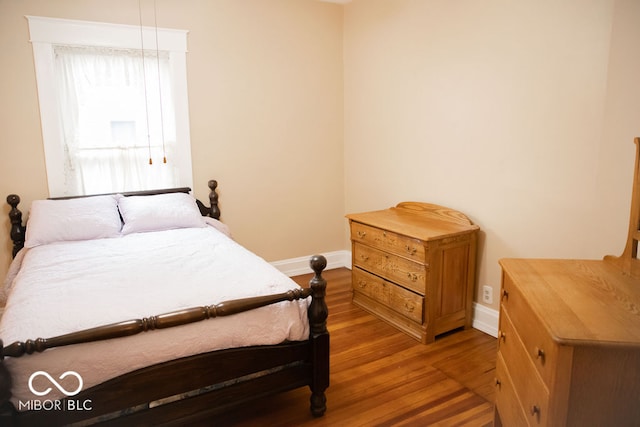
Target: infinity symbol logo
(55, 383)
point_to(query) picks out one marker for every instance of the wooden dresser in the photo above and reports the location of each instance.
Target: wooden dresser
(414, 266)
(569, 337)
(568, 344)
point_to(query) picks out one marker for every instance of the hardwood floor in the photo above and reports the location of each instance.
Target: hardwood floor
(382, 377)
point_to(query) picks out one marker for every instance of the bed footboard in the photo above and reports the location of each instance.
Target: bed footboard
(276, 368)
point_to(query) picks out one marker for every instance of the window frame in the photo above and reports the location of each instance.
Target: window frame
(46, 32)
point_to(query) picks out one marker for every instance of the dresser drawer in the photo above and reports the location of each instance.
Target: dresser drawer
(539, 346)
(393, 296)
(510, 411)
(388, 241)
(409, 274)
(527, 384)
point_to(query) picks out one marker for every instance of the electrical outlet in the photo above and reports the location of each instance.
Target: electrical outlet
(487, 294)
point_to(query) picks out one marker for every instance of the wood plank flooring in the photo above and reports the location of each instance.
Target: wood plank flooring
(382, 377)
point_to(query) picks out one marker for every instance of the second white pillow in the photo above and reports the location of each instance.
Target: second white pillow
(159, 212)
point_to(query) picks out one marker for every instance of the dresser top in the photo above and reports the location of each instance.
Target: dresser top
(423, 221)
(580, 301)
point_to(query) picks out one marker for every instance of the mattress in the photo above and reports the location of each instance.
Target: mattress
(64, 287)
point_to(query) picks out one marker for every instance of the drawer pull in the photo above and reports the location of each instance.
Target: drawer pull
(362, 283)
(410, 250)
(361, 234)
(505, 294)
(502, 336)
(497, 382)
(539, 354)
(535, 410)
(412, 276)
(364, 257)
(408, 307)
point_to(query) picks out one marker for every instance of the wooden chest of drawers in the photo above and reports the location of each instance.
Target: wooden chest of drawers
(568, 345)
(414, 267)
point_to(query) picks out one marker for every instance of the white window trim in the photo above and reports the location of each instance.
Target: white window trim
(46, 32)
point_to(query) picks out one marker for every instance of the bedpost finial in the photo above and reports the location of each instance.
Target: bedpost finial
(318, 263)
(13, 200)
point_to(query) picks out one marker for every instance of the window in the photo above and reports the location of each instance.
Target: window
(107, 108)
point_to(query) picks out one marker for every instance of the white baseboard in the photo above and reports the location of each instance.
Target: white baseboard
(485, 319)
(300, 265)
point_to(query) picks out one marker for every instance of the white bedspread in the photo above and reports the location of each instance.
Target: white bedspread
(69, 286)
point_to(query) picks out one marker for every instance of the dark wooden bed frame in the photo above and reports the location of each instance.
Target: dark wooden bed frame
(238, 374)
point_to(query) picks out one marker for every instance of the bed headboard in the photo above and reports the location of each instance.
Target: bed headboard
(628, 262)
(18, 230)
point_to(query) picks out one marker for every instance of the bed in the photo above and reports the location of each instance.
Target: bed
(101, 324)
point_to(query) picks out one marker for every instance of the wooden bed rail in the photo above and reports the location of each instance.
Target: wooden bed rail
(317, 317)
(18, 230)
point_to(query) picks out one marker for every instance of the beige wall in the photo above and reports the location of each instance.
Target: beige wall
(265, 98)
(517, 113)
(520, 114)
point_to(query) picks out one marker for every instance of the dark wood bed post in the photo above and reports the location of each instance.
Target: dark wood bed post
(319, 336)
(213, 199)
(6, 408)
(212, 210)
(17, 229)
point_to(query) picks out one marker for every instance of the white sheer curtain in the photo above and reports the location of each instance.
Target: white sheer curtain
(105, 123)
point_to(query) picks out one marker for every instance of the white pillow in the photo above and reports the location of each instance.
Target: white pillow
(72, 219)
(159, 212)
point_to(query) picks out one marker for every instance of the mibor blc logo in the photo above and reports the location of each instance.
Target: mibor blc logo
(55, 383)
(55, 405)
